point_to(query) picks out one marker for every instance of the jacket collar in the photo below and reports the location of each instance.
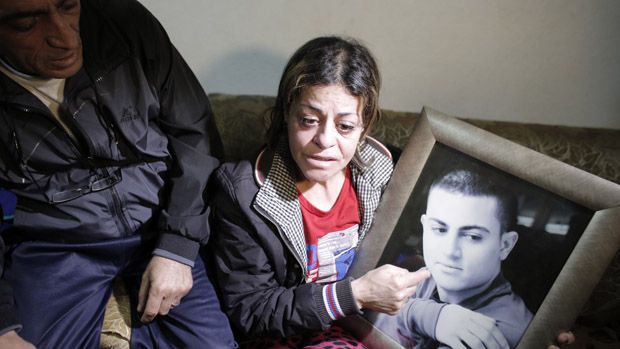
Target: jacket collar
(277, 196)
(264, 160)
(371, 182)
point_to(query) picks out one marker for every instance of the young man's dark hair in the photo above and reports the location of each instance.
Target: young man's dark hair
(467, 182)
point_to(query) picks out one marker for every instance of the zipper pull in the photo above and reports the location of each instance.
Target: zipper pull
(113, 132)
(18, 149)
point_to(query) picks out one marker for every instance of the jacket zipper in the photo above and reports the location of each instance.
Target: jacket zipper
(118, 210)
(116, 201)
(286, 242)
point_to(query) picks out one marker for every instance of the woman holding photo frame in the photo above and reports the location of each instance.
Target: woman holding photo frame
(286, 226)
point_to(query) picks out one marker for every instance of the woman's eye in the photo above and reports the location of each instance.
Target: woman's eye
(346, 128)
(308, 121)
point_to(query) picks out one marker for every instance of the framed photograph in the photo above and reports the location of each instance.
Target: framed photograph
(507, 233)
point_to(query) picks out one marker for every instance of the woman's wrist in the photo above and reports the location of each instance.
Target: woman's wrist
(337, 300)
(357, 291)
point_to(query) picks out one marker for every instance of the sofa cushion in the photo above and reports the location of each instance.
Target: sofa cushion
(241, 121)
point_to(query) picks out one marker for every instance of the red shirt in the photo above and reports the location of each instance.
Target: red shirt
(331, 236)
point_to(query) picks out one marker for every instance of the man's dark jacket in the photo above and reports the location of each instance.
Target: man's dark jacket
(143, 152)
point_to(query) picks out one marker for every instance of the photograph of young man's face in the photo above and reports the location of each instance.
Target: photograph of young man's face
(463, 244)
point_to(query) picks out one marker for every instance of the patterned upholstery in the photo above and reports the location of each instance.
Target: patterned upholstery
(241, 119)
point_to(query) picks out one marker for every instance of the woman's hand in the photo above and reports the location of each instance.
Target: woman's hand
(387, 288)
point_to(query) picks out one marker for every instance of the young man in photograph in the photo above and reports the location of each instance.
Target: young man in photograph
(466, 303)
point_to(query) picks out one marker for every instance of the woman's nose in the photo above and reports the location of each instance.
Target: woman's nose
(325, 136)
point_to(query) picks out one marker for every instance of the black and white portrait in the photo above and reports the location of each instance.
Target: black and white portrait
(494, 245)
(515, 241)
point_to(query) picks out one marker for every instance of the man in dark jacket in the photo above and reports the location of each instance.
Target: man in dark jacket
(108, 141)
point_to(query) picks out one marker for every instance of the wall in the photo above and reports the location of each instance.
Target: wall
(542, 61)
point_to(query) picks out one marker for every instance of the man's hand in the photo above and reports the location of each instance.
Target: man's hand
(387, 288)
(164, 283)
(459, 327)
(11, 340)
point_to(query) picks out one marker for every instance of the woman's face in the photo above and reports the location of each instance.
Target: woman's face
(324, 128)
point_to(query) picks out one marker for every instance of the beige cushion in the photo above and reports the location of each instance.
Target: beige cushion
(116, 330)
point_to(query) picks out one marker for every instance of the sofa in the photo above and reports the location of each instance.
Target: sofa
(240, 120)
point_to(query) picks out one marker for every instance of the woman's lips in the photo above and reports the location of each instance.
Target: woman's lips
(321, 158)
(319, 161)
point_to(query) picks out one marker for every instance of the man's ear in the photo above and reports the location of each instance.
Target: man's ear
(508, 240)
(423, 218)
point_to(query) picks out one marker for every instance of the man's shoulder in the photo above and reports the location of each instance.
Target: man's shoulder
(505, 306)
(114, 29)
(129, 18)
(115, 8)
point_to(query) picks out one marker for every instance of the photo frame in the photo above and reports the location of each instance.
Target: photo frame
(568, 221)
